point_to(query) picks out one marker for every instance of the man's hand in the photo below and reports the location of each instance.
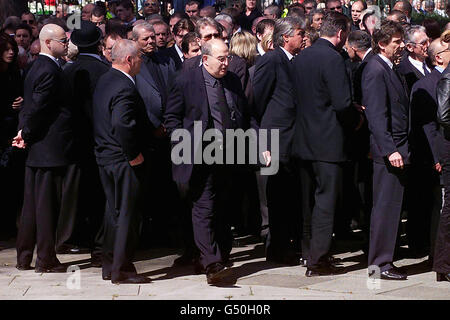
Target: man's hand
(396, 160)
(17, 103)
(267, 157)
(137, 161)
(18, 142)
(438, 167)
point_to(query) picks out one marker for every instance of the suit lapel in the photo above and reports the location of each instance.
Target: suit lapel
(145, 74)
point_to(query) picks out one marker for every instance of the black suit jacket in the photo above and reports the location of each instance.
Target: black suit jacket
(324, 104)
(443, 99)
(387, 110)
(274, 106)
(425, 135)
(46, 117)
(122, 129)
(409, 72)
(173, 54)
(188, 102)
(82, 77)
(237, 65)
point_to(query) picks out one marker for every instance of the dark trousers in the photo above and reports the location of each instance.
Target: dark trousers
(321, 189)
(261, 182)
(441, 262)
(123, 186)
(49, 194)
(388, 188)
(284, 213)
(211, 227)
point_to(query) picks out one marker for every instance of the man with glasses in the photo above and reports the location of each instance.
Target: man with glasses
(219, 103)
(98, 16)
(51, 175)
(182, 27)
(425, 141)
(309, 5)
(333, 5)
(29, 18)
(151, 7)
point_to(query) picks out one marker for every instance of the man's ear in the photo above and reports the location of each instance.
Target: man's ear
(409, 47)
(205, 60)
(285, 38)
(382, 45)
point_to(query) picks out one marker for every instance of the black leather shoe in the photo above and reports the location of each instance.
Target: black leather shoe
(23, 267)
(442, 277)
(393, 274)
(137, 279)
(216, 272)
(324, 271)
(59, 268)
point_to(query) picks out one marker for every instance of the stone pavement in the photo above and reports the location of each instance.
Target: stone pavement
(252, 279)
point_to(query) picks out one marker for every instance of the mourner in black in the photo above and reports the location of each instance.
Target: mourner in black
(387, 111)
(51, 175)
(122, 133)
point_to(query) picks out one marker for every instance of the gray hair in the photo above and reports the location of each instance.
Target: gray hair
(286, 26)
(142, 26)
(122, 49)
(411, 30)
(206, 49)
(224, 17)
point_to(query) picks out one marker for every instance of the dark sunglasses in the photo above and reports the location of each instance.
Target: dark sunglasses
(336, 8)
(150, 4)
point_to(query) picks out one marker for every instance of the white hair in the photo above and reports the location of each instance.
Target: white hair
(122, 49)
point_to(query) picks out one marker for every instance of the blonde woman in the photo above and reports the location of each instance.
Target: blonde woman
(267, 42)
(243, 44)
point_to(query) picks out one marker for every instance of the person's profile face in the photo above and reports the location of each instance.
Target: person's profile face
(8, 54)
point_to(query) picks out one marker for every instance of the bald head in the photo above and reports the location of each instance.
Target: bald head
(122, 49)
(215, 57)
(437, 51)
(53, 40)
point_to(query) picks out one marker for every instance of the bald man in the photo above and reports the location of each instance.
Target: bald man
(219, 103)
(121, 131)
(51, 176)
(86, 12)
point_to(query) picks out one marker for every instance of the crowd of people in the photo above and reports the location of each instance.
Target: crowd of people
(90, 115)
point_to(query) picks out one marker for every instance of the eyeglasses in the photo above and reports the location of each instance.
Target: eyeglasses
(424, 42)
(63, 41)
(308, 8)
(335, 8)
(222, 60)
(210, 36)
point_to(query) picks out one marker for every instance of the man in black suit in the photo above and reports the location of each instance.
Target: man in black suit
(275, 109)
(182, 27)
(51, 175)
(82, 77)
(324, 112)
(413, 65)
(121, 131)
(387, 111)
(206, 30)
(213, 97)
(425, 140)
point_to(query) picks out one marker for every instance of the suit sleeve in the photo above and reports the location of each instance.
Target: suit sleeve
(175, 109)
(263, 83)
(338, 84)
(375, 100)
(443, 98)
(34, 118)
(123, 121)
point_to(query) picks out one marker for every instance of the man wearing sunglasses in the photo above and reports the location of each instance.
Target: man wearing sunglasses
(51, 175)
(219, 103)
(151, 7)
(333, 5)
(29, 18)
(425, 140)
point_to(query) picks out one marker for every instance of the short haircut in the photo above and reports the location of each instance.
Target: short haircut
(363, 3)
(387, 30)
(368, 13)
(361, 40)
(296, 10)
(312, 13)
(179, 15)
(123, 48)
(313, 2)
(25, 27)
(183, 24)
(286, 26)
(433, 28)
(400, 14)
(410, 33)
(273, 9)
(333, 22)
(188, 38)
(160, 23)
(206, 49)
(126, 4)
(203, 22)
(406, 6)
(191, 3)
(99, 11)
(209, 11)
(114, 36)
(115, 25)
(329, 1)
(27, 13)
(263, 25)
(12, 22)
(142, 26)
(225, 17)
(233, 12)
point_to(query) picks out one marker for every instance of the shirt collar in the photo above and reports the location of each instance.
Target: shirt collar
(96, 56)
(417, 64)
(260, 49)
(439, 68)
(180, 54)
(288, 54)
(51, 57)
(208, 77)
(129, 77)
(367, 52)
(389, 62)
